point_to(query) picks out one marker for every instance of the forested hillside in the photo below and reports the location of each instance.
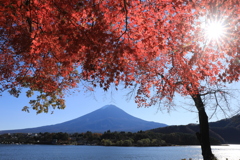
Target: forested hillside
(108, 138)
(225, 130)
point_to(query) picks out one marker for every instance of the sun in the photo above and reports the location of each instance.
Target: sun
(214, 31)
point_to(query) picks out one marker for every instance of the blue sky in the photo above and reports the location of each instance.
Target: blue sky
(79, 104)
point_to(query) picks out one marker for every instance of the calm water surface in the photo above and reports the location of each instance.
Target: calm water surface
(60, 152)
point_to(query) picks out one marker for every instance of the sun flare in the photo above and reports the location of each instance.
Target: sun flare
(214, 31)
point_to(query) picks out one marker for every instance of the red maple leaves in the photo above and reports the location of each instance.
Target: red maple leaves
(49, 46)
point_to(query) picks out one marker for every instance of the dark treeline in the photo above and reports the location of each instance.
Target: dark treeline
(108, 138)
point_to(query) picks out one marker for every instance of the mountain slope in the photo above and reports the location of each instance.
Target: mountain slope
(225, 130)
(229, 122)
(106, 118)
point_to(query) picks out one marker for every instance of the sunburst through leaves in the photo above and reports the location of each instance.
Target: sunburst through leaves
(214, 31)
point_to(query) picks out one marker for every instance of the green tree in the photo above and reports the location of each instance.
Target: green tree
(119, 143)
(106, 142)
(127, 142)
(158, 142)
(61, 136)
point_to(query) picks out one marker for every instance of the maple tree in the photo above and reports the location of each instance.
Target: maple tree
(157, 46)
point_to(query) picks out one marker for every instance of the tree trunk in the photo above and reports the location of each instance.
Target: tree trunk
(203, 136)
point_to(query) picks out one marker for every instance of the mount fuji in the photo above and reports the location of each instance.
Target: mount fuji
(108, 117)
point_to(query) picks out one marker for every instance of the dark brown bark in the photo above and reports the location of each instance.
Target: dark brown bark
(203, 136)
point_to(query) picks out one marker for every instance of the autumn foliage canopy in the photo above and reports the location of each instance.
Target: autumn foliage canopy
(160, 46)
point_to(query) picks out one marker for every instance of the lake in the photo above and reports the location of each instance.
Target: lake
(71, 152)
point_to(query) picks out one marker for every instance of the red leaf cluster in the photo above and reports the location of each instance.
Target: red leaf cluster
(49, 46)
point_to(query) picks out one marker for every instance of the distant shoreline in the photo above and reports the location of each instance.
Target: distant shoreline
(108, 138)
